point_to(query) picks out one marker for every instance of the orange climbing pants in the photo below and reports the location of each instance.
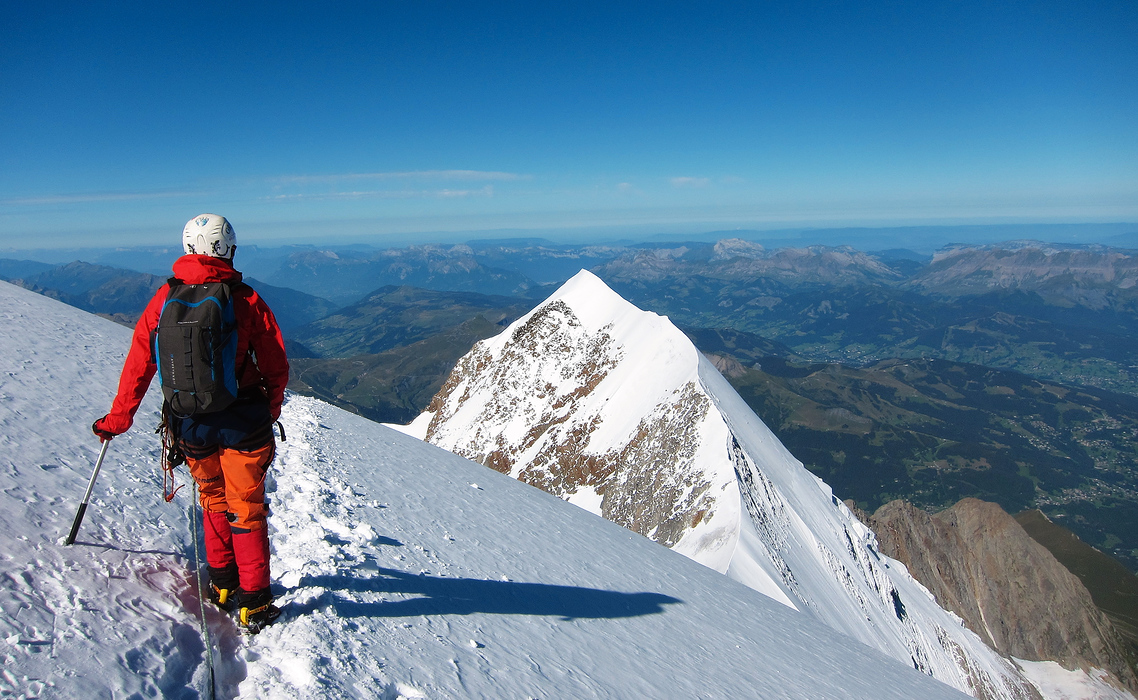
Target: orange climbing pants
(232, 481)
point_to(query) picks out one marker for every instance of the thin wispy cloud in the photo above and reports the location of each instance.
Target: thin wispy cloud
(95, 197)
(451, 175)
(487, 191)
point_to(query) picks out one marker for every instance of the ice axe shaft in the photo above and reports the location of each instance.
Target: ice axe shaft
(87, 496)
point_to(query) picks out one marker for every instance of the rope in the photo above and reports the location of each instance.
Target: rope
(201, 594)
(171, 457)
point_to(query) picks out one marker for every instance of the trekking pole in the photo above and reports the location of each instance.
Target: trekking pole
(201, 592)
(87, 496)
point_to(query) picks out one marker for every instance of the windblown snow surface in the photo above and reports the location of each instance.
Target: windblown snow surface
(613, 409)
(1057, 683)
(402, 569)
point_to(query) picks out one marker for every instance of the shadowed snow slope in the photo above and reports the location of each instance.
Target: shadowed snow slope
(403, 570)
(613, 409)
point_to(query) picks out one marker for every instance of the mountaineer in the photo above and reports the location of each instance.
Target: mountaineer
(221, 362)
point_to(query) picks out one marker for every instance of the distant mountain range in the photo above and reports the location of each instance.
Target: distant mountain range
(122, 294)
(346, 276)
(882, 371)
(1072, 325)
(1093, 277)
(109, 291)
(393, 385)
(392, 317)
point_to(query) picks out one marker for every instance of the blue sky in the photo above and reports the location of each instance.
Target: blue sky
(302, 122)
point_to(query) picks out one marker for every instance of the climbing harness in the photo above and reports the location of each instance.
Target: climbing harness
(171, 455)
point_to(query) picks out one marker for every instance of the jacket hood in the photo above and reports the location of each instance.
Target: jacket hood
(199, 269)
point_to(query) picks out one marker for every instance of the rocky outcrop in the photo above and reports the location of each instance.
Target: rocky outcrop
(980, 564)
(728, 366)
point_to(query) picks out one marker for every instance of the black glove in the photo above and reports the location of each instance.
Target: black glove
(99, 427)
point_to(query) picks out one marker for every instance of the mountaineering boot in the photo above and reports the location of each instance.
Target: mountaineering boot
(255, 610)
(255, 607)
(223, 586)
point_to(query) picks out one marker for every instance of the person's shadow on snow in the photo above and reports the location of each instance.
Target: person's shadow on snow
(463, 596)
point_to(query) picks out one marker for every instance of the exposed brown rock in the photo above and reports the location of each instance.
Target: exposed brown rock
(728, 366)
(651, 485)
(1113, 587)
(980, 564)
(859, 513)
(657, 489)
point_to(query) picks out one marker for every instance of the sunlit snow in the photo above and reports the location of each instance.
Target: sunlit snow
(402, 570)
(1058, 683)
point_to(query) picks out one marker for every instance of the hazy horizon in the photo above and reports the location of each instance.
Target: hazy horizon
(923, 240)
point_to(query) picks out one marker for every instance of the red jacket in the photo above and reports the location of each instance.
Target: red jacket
(258, 339)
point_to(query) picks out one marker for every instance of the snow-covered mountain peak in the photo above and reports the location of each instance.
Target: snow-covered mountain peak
(556, 402)
(592, 300)
(586, 307)
(613, 409)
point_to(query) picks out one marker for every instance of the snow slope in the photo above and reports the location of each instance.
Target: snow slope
(613, 409)
(1057, 683)
(403, 570)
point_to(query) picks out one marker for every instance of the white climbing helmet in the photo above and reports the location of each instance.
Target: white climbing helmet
(209, 234)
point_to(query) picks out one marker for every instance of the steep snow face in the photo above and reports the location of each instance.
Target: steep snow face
(402, 570)
(613, 409)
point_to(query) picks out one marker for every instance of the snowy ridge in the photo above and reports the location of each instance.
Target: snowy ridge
(613, 409)
(403, 570)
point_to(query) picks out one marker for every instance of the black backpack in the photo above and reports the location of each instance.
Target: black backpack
(195, 347)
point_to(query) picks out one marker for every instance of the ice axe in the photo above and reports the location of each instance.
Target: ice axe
(87, 496)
